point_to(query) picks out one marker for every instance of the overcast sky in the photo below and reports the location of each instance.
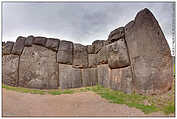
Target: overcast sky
(78, 22)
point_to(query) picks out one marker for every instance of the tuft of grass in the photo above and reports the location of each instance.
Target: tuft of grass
(170, 108)
(24, 90)
(59, 92)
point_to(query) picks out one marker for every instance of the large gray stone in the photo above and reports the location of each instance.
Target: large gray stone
(65, 45)
(40, 41)
(90, 49)
(52, 44)
(92, 60)
(118, 55)
(38, 68)
(69, 77)
(18, 46)
(65, 52)
(80, 56)
(104, 75)
(7, 48)
(116, 34)
(102, 55)
(149, 54)
(98, 44)
(89, 77)
(121, 79)
(29, 41)
(10, 69)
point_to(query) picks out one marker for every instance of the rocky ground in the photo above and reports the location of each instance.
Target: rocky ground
(77, 104)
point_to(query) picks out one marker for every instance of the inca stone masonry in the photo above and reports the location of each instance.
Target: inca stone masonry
(134, 58)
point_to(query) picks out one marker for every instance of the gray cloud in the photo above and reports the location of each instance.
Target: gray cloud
(78, 22)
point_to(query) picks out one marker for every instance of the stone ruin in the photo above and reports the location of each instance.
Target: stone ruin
(134, 58)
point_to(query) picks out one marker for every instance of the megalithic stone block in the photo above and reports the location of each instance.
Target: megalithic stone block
(38, 68)
(10, 69)
(80, 56)
(118, 54)
(98, 44)
(90, 49)
(29, 41)
(104, 75)
(121, 79)
(102, 56)
(65, 52)
(89, 77)
(92, 60)
(40, 41)
(18, 46)
(52, 44)
(69, 77)
(7, 48)
(116, 34)
(149, 54)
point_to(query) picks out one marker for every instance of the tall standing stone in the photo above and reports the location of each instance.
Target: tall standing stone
(89, 77)
(104, 75)
(69, 77)
(10, 69)
(121, 79)
(149, 54)
(65, 52)
(80, 56)
(18, 46)
(38, 68)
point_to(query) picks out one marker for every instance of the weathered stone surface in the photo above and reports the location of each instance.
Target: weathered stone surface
(38, 68)
(52, 44)
(89, 77)
(29, 41)
(10, 69)
(18, 46)
(7, 48)
(39, 41)
(65, 45)
(104, 75)
(121, 79)
(3, 43)
(116, 34)
(90, 49)
(69, 77)
(92, 60)
(149, 54)
(65, 52)
(98, 44)
(80, 56)
(102, 56)
(118, 55)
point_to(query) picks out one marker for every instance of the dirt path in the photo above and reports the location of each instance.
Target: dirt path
(78, 104)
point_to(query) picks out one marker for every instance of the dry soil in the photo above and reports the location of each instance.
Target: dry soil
(78, 104)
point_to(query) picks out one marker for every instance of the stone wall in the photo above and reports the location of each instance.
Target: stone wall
(135, 57)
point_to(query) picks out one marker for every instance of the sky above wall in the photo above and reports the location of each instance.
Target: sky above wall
(78, 22)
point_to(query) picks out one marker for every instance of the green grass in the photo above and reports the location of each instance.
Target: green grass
(59, 92)
(24, 90)
(155, 103)
(132, 100)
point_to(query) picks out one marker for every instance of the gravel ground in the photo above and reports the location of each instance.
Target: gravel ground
(78, 104)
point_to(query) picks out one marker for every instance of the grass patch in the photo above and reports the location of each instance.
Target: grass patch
(24, 90)
(164, 103)
(59, 92)
(118, 97)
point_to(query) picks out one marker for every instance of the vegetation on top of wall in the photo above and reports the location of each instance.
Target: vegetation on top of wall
(147, 104)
